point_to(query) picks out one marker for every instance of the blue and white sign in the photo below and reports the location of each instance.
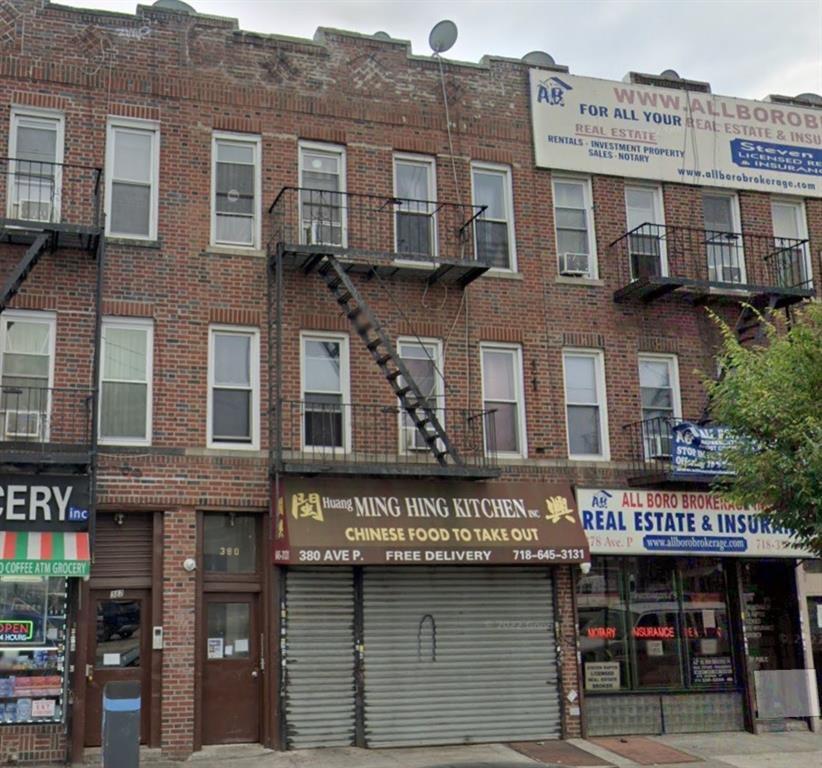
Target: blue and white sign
(644, 522)
(665, 134)
(698, 450)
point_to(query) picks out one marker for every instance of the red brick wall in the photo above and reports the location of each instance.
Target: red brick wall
(39, 744)
(195, 75)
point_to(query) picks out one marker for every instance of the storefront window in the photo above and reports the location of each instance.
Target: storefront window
(654, 623)
(230, 543)
(32, 649)
(602, 627)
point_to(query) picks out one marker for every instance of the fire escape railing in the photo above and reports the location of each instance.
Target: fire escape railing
(382, 226)
(691, 257)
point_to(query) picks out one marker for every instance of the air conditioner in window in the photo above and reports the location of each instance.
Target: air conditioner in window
(35, 210)
(25, 424)
(574, 264)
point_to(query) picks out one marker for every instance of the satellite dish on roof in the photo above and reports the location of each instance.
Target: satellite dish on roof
(539, 59)
(670, 74)
(174, 5)
(382, 35)
(443, 36)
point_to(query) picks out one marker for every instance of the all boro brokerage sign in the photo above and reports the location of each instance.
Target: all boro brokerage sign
(621, 129)
(329, 521)
(44, 503)
(640, 522)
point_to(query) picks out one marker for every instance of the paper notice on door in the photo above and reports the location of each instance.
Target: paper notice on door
(709, 619)
(111, 659)
(654, 648)
(229, 650)
(42, 708)
(241, 645)
(215, 647)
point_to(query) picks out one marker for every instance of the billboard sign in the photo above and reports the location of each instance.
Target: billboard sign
(664, 134)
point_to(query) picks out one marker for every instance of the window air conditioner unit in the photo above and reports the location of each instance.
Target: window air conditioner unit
(25, 424)
(35, 210)
(574, 264)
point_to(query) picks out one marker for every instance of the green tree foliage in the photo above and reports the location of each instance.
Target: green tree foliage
(770, 397)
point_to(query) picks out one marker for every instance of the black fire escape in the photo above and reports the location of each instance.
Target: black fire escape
(48, 211)
(358, 243)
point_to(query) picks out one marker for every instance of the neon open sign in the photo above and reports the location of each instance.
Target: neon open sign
(16, 631)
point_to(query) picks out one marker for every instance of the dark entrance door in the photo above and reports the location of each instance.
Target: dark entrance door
(815, 616)
(119, 649)
(231, 689)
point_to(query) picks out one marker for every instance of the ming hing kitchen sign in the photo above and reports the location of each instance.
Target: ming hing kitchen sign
(361, 522)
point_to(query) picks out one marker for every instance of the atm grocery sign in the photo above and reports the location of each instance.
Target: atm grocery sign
(633, 522)
(16, 631)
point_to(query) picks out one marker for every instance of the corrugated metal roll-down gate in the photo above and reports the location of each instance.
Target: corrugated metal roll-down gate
(319, 700)
(452, 656)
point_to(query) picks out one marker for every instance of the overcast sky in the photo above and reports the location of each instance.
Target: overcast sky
(746, 48)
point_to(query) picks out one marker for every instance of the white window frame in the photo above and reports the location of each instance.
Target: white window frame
(519, 383)
(113, 125)
(659, 206)
(736, 221)
(431, 164)
(588, 199)
(345, 393)
(505, 172)
(338, 150)
(255, 142)
(130, 323)
(254, 377)
(439, 394)
(30, 316)
(36, 115)
(799, 205)
(599, 372)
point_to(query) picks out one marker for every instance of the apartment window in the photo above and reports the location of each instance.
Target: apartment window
(574, 222)
(35, 173)
(659, 395)
(792, 258)
(26, 371)
(494, 229)
(415, 188)
(726, 257)
(125, 397)
(646, 241)
(133, 169)
(325, 392)
(423, 359)
(502, 397)
(235, 197)
(322, 195)
(586, 416)
(234, 384)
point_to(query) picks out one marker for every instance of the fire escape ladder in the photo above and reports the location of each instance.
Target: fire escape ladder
(379, 345)
(24, 266)
(749, 326)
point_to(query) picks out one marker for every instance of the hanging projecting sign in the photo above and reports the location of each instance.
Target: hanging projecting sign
(338, 521)
(621, 129)
(698, 450)
(44, 503)
(634, 522)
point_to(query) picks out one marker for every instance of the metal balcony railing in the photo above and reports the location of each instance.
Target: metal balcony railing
(655, 259)
(34, 192)
(44, 420)
(325, 436)
(384, 227)
(650, 444)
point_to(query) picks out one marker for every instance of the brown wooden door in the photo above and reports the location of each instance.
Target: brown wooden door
(119, 649)
(231, 690)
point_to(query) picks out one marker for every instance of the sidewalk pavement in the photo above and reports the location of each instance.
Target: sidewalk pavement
(716, 750)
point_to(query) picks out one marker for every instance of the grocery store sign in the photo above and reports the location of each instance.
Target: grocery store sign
(44, 502)
(608, 127)
(634, 522)
(338, 521)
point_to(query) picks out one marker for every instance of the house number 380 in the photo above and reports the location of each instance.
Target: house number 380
(230, 551)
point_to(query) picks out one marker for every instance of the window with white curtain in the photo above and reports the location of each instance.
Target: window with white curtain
(423, 359)
(502, 398)
(494, 227)
(125, 381)
(234, 383)
(585, 404)
(132, 173)
(415, 187)
(659, 394)
(236, 190)
(325, 388)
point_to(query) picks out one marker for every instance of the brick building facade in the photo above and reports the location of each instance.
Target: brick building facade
(184, 88)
